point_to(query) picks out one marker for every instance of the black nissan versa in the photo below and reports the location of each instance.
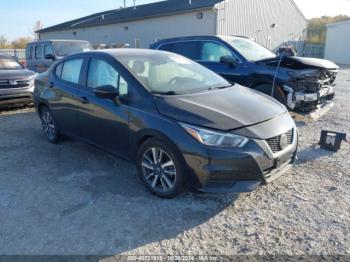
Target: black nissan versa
(16, 82)
(183, 125)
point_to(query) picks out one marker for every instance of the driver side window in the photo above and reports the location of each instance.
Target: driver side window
(101, 73)
(212, 52)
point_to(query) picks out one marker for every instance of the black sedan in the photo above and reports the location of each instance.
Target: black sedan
(16, 82)
(183, 125)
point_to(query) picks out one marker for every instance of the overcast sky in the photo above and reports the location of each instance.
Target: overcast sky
(17, 17)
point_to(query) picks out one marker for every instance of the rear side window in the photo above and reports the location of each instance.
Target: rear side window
(39, 52)
(71, 70)
(190, 49)
(29, 52)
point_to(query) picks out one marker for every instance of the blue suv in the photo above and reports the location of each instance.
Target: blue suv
(301, 84)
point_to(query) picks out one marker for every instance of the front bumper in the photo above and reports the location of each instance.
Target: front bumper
(308, 101)
(16, 95)
(241, 170)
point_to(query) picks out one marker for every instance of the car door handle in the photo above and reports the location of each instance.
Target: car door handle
(84, 100)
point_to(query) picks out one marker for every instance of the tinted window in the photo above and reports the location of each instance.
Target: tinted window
(48, 50)
(29, 52)
(213, 52)
(101, 74)
(38, 52)
(189, 49)
(71, 70)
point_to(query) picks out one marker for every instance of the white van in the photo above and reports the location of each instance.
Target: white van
(41, 54)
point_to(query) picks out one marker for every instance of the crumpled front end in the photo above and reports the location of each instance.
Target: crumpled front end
(310, 88)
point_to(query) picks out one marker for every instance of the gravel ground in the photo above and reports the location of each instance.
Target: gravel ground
(74, 199)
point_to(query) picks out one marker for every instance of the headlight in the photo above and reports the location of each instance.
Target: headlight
(212, 138)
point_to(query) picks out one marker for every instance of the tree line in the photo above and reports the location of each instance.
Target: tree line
(317, 28)
(21, 42)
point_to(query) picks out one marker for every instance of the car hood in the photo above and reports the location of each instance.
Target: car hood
(16, 74)
(225, 109)
(295, 62)
(315, 62)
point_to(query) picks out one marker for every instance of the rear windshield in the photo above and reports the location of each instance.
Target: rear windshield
(68, 48)
(9, 63)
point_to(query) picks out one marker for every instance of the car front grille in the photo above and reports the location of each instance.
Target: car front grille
(275, 142)
(9, 84)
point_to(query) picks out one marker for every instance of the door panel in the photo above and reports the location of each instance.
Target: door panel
(232, 74)
(66, 101)
(104, 122)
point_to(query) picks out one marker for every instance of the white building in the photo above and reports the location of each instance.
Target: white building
(338, 42)
(270, 22)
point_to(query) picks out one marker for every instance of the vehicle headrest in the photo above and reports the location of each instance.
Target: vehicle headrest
(138, 67)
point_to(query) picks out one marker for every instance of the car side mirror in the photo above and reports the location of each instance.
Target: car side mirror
(106, 92)
(229, 60)
(50, 56)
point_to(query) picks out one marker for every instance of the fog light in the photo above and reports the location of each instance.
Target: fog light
(331, 140)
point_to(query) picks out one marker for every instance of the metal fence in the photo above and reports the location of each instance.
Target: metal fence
(314, 50)
(18, 53)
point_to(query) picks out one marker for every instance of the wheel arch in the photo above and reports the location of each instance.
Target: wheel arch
(145, 135)
(40, 106)
(191, 180)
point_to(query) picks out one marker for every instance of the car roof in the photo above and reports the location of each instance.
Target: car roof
(118, 52)
(56, 40)
(199, 37)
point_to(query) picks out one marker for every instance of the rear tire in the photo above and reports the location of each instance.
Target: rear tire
(160, 168)
(49, 126)
(279, 94)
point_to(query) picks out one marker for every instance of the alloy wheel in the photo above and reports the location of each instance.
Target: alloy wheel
(48, 125)
(159, 169)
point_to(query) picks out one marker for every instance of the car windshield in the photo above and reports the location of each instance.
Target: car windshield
(8, 63)
(249, 49)
(68, 48)
(166, 73)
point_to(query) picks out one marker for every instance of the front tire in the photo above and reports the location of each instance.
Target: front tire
(160, 168)
(49, 126)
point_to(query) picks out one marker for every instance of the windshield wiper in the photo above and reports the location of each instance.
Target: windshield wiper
(166, 93)
(215, 87)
